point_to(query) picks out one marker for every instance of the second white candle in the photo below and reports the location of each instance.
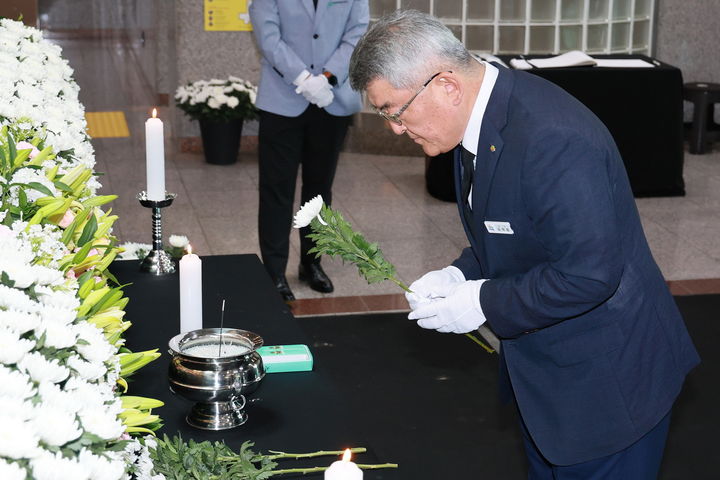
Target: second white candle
(190, 293)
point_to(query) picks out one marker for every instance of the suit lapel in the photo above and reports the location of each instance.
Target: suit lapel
(322, 7)
(310, 8)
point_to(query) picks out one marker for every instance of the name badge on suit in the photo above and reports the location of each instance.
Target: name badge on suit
(502, 228)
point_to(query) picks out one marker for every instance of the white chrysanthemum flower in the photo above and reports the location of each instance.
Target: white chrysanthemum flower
(55, 426)
(18, 321)
(13, 348)
(213, 103)
(28, 175)
(98, 422)
(60, 299)
(134, 251)
(57, 334)
(13, 299)
(307, 212)
(97, 349)
(178, 241)
(52, 394)
(47, 466)
(87, 370)
(42, 369)
(14, 384)
(18, 438)
(233, 102)
(12, 471)
(102, 468)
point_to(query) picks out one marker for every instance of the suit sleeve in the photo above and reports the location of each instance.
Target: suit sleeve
(357, 23)
(568, 196)
(265, 19)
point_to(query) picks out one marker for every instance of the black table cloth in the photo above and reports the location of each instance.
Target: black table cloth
(293, 412)
(642, 108)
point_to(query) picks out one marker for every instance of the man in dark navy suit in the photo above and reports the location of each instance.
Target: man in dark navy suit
(593, 348)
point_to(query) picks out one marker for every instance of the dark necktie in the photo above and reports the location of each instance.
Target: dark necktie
(467, 181)
(315, 4)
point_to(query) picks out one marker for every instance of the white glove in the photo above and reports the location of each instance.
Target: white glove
(315, 88)
(458, 311)
(426, 287)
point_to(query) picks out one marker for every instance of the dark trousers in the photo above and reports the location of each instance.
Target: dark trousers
(312, 139)
(639, 461)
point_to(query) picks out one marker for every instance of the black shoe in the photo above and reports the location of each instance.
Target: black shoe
(314, 276)
(281, 285)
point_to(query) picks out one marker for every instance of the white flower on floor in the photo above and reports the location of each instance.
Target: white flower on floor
(307, 212)
(54, 426)
(41, 369)
(11, 471)
(47, 466)
(18, 439)
(178, 241)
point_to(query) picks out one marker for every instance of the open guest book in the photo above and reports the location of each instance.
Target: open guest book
(576, 58)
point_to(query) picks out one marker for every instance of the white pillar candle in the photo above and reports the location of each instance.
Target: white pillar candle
(344, 469)
(190, 292)
(155, 158)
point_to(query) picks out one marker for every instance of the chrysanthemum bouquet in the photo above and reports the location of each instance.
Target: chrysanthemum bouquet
(63, 363)
(218, 100)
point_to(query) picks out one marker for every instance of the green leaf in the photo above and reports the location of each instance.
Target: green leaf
(62, 186)
(88, 232)
(5, 279)
(40, 188)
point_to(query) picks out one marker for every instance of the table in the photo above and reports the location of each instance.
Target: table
(642, 108)
(293, 412)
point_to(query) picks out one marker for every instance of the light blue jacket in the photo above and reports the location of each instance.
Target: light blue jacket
(293, 36)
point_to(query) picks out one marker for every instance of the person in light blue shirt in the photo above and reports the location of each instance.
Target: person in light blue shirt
(305, 104)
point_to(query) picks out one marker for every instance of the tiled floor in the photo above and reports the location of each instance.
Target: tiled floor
(382, 196)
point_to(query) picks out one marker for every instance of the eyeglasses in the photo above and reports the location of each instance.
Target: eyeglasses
(395, 117)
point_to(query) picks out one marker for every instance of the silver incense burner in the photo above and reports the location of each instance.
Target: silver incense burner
(216, 376)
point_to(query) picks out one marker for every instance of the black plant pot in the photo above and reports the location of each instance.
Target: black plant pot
(221, 140)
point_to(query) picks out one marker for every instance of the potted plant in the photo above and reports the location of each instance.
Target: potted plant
(220, 106)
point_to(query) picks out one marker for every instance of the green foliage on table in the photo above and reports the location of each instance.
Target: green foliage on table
(191, 460)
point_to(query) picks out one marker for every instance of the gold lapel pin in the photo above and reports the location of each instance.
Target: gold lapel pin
(492, 148)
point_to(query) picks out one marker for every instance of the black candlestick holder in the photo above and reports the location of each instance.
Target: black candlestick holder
(157, 261)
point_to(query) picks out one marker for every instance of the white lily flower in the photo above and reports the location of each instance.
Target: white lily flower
(307, 212)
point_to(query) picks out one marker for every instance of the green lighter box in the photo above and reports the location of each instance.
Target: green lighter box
(286, 358)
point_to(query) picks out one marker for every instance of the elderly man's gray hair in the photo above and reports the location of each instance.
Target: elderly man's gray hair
(404, 48)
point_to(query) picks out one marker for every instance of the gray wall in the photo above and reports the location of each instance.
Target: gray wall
(688, 36)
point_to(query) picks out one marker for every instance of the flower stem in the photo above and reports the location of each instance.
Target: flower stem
(479, 342)
(321, 453)
(304, 471)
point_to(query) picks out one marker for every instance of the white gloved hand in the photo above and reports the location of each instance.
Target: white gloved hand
(457, 311)
(427, 287)
(316, 89)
